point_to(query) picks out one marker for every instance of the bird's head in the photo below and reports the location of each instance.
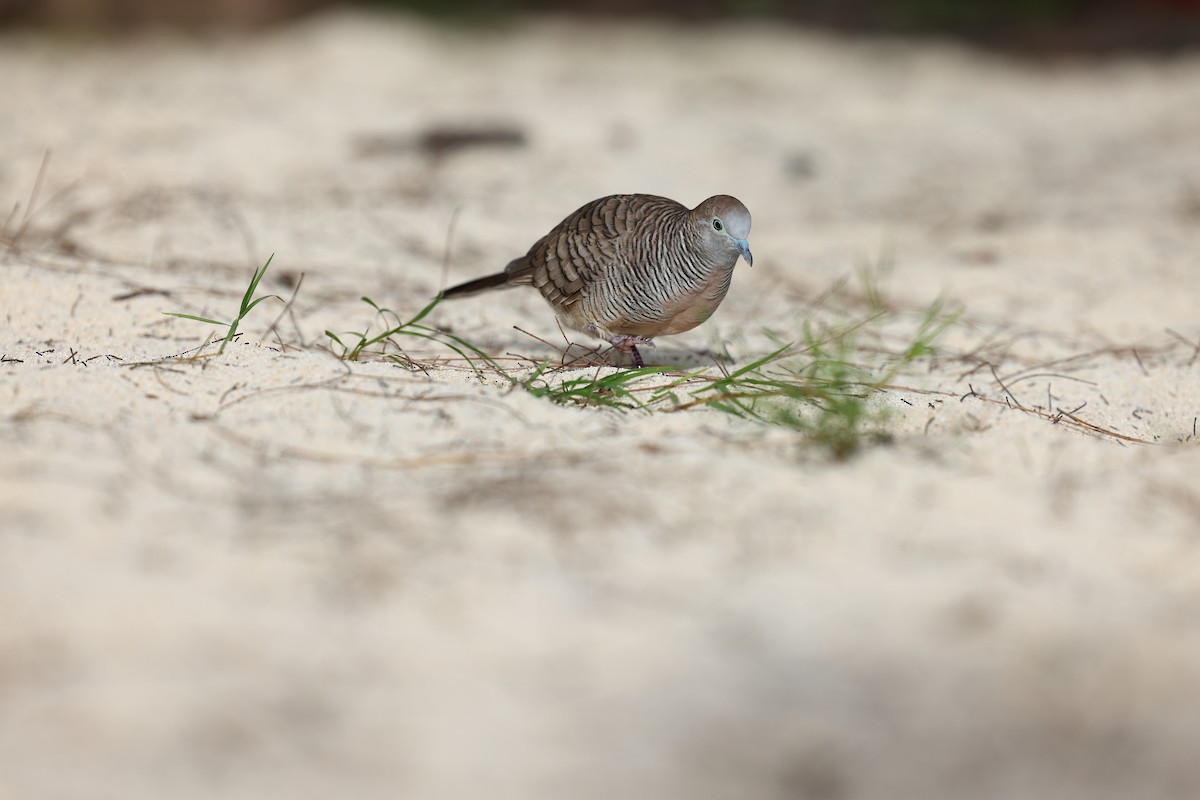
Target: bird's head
(725, 225)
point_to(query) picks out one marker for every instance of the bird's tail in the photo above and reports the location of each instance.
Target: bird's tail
(477, 285)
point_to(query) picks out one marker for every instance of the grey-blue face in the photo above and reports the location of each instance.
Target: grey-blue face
(730, 223)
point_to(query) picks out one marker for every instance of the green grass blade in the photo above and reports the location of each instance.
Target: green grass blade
(425, 311)
(470, 361)
(194, 317)
(258, 300)
(258, 276)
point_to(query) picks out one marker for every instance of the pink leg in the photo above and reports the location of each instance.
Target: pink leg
(626, 344)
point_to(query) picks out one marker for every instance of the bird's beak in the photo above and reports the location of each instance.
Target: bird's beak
(744, 248)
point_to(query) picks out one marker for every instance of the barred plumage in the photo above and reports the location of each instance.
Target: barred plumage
(630, 267)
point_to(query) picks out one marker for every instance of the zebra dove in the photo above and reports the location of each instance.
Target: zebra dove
(629, 267)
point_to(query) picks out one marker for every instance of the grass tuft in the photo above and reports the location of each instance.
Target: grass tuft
(246, 306)
(617, 390)
(395, 326)
(823, 385)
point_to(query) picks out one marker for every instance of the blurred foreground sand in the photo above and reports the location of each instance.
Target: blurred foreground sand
(275, 574)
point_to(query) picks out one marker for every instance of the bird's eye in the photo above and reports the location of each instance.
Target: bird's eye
(717, 225)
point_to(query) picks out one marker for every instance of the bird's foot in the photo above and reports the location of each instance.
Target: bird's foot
(623, 343)
(629, 344)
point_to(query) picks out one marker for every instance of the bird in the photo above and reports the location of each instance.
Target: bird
(627, 268)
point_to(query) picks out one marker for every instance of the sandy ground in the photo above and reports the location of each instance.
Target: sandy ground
(276, 574)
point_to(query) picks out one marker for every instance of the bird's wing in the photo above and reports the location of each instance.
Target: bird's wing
(564, 262)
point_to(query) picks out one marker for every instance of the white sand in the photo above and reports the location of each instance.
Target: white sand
(273, 574)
